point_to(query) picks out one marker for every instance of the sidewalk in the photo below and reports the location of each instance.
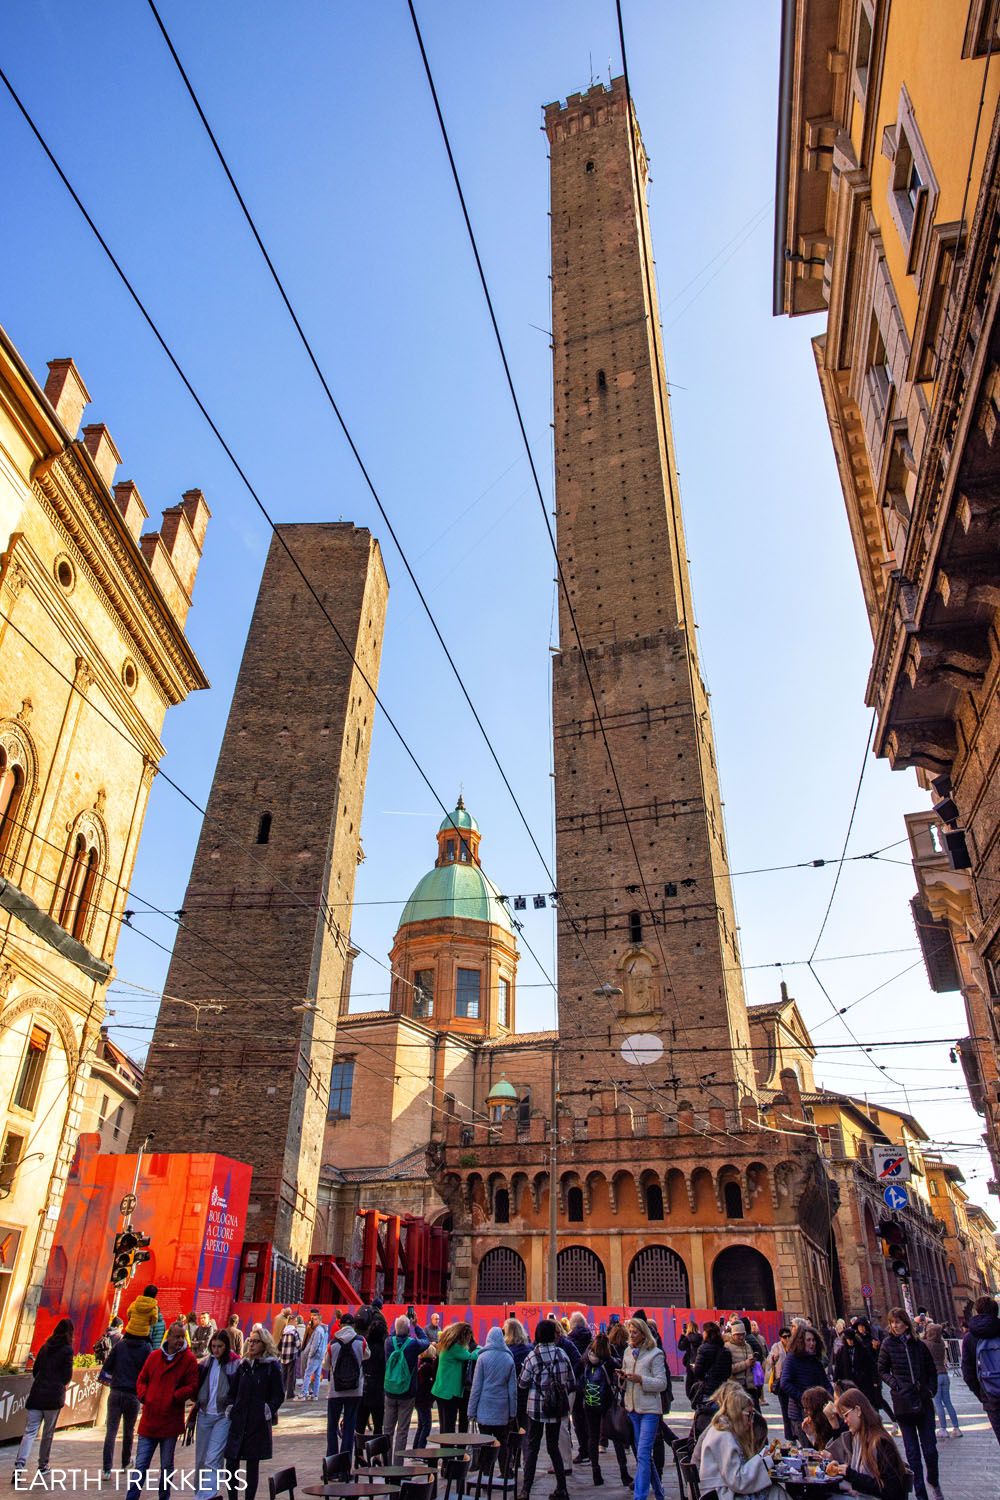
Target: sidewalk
(970, 1466)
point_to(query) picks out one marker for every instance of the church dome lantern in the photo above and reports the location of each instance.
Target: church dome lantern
(455, 953)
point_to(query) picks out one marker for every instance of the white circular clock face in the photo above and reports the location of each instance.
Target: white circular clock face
(642, 1049)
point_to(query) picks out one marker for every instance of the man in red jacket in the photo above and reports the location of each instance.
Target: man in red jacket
(167, 1380)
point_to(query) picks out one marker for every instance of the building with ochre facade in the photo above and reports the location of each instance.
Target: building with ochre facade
(93, 652)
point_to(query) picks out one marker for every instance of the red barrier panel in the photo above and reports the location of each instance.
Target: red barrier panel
(669, 1320)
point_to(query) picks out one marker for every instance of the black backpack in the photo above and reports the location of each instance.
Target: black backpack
(347, 1370)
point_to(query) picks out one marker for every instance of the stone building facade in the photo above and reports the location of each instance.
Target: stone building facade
(92, 654)
(887, 223)
(264, 939)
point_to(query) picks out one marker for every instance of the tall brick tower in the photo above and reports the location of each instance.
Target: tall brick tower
(267, 910)
(671, 948)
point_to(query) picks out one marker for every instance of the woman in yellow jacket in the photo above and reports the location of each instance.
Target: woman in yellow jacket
(456, 1348)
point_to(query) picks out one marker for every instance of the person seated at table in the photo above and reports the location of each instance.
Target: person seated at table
(875, 1466)
(816, 1428)
(838, 1446)
(726, 1455)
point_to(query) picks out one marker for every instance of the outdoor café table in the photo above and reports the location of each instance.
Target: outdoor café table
(461, 1439)
(351, 1491)
(812, 1489)
(430, 1454)
(394, 1471)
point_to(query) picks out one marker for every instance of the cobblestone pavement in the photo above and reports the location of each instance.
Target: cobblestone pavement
(970, 1466)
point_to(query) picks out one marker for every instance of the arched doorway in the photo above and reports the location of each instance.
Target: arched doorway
(742, 1279)
(580, 1276)
(658, 1277)
(502, 1276)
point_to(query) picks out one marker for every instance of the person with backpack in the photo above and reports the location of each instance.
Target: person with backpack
(403, 1348)
(906, 1366)
(547, 1375)
(599, 1387)
(108, 1339)
(51, 1374)
(346, 1352)
(981, 1358)
(120, 1371)
(374, 1329)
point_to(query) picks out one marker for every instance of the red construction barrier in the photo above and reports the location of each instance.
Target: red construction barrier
(669, 1320)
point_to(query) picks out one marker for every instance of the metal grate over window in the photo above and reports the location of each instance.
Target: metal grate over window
(502, 1276)
(657, 1278)
(581, 1276)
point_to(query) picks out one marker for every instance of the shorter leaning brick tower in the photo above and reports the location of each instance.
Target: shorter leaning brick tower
(267, 910)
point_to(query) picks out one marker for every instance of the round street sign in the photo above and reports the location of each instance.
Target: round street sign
(896, 1196)
(866, 1290)
(127, 1205)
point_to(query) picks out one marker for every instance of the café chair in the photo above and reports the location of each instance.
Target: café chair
(282, 1483)
(336, 1466)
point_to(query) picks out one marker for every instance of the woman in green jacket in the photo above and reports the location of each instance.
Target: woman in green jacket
(456, 1348)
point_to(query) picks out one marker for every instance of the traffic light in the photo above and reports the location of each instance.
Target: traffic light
(130, 1249)
(894, 1247)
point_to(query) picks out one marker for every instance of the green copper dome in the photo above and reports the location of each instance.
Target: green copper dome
(502, 1092)
(456, 890)
(461, 818)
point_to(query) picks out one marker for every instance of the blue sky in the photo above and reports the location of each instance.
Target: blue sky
(324, 113)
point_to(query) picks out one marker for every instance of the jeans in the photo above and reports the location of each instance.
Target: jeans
(425, 1416)
(311, 1378)
(288, 1376)
(943, 1402)
(645, 1425)
(209, 1446)
(536, 1431)
(46, 1420)
(124, 1408)
(992, 1410)
(918, 1433)
(372, 1405)
(785, 1419)
(145, 1449)
(337, 1406)
(398, 1411)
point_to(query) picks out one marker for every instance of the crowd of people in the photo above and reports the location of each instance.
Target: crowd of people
(578, 1391)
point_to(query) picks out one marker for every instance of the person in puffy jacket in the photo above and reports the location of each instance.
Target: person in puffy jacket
(256, 1393)
(598, 1387)
(209, 1415)
(906, 1366)
(493, 1398)
(803, 1367)
(120, 1371)
(143, 1315)
(983, 1328)
(166, 1382)
(51, 1374)
(713, 1364)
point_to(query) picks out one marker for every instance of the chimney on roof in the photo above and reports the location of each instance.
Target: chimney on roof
(67, 394)
(100, 445)
(174, 552)
(130, 503)
(784, 990)
(792, 1092)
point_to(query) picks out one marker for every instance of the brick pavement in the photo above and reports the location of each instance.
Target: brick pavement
(970, 1466)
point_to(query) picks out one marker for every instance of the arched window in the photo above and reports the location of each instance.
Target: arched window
(264, 829)
(732, 1197)
(11, 798)
(574, 1205)
(952, 1275)
(742, 1277)
(589, 167)
(654, 1201)
(501, 1206)
(580, 1276)
(78, 887)
(502, 1276)
(658, 1277)
(634, 928)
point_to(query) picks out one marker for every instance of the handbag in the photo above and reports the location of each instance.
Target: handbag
(758, 1374)
(619, 1422)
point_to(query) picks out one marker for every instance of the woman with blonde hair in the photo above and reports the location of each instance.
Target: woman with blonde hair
(727, 1455)
(456, 1346)
(644, 1373)
(875, 1466)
